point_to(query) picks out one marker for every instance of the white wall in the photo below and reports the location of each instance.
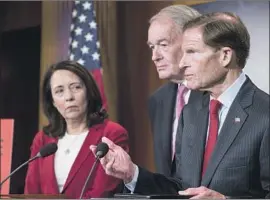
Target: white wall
(255, 15)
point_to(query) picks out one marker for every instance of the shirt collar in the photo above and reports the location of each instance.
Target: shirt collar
(184, 82)
(228, 96)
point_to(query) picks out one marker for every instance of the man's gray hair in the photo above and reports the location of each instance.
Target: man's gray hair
(180, 14)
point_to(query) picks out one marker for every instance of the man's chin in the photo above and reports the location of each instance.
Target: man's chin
(164, 76)
(193, 86)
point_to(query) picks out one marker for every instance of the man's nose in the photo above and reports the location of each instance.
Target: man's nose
(183, 63)
(156, 55)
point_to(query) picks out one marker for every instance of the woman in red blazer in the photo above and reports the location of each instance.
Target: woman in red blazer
(73, 106)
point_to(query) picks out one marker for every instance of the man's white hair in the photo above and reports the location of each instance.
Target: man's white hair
(179, 14)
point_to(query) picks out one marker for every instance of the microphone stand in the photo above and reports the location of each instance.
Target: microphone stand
(44, 152)
(88, 177)
(22, 165)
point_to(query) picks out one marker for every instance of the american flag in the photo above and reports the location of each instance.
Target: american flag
(84, 46)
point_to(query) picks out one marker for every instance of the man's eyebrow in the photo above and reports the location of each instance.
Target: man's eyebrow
(160, 40)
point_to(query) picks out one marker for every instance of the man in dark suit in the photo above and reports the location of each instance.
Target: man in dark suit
(223, 148)
(164, 40)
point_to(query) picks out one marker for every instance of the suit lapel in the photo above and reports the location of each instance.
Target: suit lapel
(167, 110)
(235, 119)
(195, 95)
(197, 133)
(82, 155)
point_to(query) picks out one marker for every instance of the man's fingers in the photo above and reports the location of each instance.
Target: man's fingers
(202, 193)
(107, 161)
(109, 166)
(110, 143)
(190, 191)
(93, 149)
(110, 163)
(103, 161)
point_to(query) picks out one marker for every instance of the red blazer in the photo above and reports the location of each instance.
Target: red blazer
(40, 178)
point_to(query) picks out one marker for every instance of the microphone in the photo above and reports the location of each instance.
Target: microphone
(101, 151)
(45, 151)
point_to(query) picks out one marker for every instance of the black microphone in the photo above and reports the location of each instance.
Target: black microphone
(45, 151)
(101, 151)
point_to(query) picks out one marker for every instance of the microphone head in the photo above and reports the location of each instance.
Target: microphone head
(102, 150)
(48, 149)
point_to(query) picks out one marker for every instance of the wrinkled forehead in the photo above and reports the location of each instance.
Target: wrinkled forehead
(160, 28)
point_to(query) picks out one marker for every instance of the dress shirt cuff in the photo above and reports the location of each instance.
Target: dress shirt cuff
(132, 184)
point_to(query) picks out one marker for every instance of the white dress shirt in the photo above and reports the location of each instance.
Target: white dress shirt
(63, 161)
(226, 98)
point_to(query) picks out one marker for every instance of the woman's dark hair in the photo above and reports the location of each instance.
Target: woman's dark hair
(95, 113)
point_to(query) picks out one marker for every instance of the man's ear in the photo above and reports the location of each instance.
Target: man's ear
(226, 56)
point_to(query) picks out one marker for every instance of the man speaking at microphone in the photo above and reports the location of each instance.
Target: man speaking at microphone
(223, 148)
(73, 105)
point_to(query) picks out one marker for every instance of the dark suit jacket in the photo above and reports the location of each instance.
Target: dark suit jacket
(161, 108)
(240, 164)
(41, 178)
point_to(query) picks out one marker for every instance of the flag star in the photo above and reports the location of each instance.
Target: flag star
(82, 18)
(74, 13)
(98, 44)
(78, 31)
(74, 44)
(87, 6)
(77, 2)
(71, 57)
(85, 49)
(72, 27)
(88, 37)
(81, 61)
(93, 25)
(95, 56)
